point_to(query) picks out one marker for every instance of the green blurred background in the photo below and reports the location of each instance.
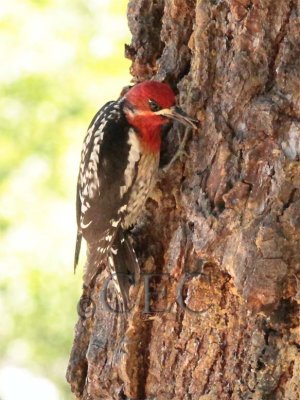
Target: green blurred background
(60, 61)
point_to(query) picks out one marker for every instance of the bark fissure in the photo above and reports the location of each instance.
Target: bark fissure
(225, 219)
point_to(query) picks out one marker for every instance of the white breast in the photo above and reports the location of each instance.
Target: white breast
(145, 180)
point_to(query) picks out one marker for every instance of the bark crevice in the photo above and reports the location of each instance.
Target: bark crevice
(228, 214)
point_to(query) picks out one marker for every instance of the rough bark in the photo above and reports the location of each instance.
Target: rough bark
(229, 215)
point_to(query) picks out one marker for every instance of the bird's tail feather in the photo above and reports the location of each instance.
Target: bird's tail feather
(97, 252)
(114, 251)
(77, 249)
(124, 263)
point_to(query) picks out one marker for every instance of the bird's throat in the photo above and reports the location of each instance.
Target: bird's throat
(149, 131)
(151, 139)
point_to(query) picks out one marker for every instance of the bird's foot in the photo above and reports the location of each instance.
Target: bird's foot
(180, 153)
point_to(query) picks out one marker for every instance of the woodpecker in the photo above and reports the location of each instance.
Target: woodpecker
(119, 164)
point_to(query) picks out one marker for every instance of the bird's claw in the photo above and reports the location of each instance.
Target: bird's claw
(180, 153)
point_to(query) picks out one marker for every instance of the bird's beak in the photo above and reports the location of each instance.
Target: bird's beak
(179, 115)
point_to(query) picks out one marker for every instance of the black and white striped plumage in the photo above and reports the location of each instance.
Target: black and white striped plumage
(108, 177)
(119, 161)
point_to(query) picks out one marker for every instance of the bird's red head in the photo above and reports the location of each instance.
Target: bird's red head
(143, 93)
(142, 105)
(150, 105)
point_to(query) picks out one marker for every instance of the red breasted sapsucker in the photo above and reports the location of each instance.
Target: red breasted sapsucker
(119, 163)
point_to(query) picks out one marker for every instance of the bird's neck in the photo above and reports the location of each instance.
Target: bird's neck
(149, 131)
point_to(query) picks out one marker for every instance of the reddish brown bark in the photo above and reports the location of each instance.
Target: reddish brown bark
(230, 213)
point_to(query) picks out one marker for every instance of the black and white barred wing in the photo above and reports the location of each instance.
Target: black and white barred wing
(88, 178)
(89, 174)
(108, 169)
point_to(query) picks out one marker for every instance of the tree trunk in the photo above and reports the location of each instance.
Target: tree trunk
(222, 228)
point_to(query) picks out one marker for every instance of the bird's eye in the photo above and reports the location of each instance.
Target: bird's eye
(153, 105)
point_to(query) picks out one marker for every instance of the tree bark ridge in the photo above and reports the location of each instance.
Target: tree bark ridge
(226, 219)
